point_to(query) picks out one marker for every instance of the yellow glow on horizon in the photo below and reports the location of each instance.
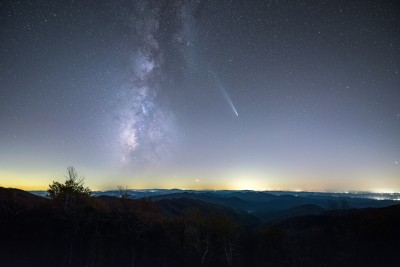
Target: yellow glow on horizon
(249, 184)
(29, 178)
(232, 180)
(11, 180)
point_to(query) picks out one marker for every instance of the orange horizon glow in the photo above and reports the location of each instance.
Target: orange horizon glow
(24, 185)
(239, 179)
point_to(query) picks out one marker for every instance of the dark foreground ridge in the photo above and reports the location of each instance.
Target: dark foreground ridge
(189, 229)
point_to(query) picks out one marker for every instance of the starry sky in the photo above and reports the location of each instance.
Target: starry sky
(201, 94)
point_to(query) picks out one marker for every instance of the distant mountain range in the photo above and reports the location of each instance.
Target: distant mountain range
(266, 206)
(248, 194)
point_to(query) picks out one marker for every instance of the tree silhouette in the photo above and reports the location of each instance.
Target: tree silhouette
(72, 195)
(123, 192)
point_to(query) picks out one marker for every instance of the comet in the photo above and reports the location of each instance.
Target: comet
(225, 93)
(226, 96)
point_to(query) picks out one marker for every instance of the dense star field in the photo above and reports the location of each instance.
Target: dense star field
(279, 95)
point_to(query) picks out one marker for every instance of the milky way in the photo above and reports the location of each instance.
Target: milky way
(146, 125)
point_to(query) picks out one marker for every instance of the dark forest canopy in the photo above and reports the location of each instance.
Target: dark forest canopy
(115, 231)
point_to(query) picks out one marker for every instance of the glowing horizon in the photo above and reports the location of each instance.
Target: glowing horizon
(226, 182)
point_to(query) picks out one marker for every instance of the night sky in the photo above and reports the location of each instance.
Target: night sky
(263, 95)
